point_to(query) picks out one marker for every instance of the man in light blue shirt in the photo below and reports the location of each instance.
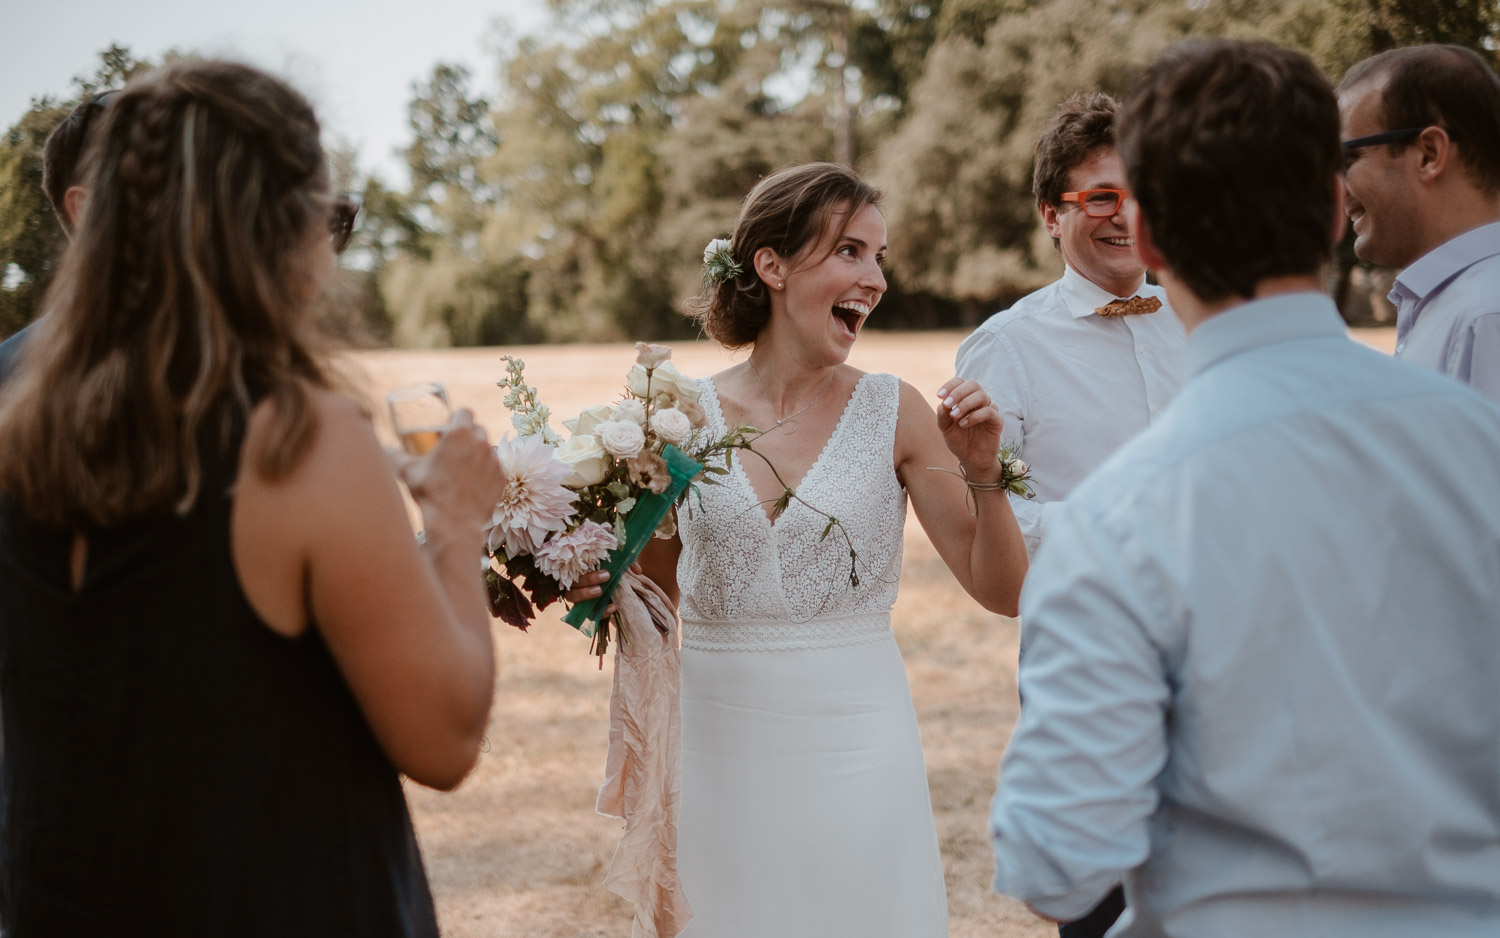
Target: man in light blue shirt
(1263, 639)
(1422, 138)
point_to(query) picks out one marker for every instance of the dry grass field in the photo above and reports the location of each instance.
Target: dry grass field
(518, 850)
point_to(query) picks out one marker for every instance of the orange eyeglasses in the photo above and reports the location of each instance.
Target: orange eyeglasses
(1098, 203)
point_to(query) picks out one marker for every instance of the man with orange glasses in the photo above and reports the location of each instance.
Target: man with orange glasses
(1087, 362)
(1074, 370)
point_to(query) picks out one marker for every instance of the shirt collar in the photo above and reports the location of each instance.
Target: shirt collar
(1081, 296)
(1259, 323)
(1440, 264)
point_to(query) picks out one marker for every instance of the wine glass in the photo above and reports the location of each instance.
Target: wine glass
(419, 414)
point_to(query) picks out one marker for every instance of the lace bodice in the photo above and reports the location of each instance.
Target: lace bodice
(736, 565)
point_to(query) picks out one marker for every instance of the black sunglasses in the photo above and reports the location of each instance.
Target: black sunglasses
(1375, 140)
(344, 210)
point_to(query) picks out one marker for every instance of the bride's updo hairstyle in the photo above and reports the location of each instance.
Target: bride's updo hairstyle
(182, 299)
(788, 212)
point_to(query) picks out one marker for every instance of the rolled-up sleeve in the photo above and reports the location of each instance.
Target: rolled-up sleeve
(1484, 356)
(1077, 784)
(989, 358)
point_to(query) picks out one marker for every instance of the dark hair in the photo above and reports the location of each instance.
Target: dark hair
(183, 297)
(1232, 151)
(64, 149)
(788, 212)
(1440, 86)
(1081, 125)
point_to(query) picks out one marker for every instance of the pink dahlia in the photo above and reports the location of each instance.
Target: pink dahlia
(535, 502)
(566, 557)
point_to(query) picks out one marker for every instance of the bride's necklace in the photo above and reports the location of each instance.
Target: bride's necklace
(787, 424)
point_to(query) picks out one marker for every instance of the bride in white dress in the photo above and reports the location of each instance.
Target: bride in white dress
(804, 808)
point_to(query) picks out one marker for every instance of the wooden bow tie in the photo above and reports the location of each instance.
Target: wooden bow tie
(1131, 307)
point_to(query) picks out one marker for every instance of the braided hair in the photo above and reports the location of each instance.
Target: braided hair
(182, 300)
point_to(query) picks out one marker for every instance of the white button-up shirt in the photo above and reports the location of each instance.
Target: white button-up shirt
(1448, 310)
(1071, 385)
(1263, 652)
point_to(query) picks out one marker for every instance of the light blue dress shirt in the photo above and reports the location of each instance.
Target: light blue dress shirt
(1071, 385)
(1448, 310)
(1262, 654)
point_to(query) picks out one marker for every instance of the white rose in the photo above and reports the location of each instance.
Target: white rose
(665, 378)
(621, 438)
(586, 457)
(1018, 468)
(632, 410)
(671, 425)
(714, 247)
(590, 418)
(650, 356)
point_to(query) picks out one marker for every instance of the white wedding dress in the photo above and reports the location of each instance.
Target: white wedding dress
(805, 811)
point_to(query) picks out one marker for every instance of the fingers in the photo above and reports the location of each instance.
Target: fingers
(965, 403)
(588, 586)
(397, 459)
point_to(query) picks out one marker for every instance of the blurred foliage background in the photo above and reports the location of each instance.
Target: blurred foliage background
(573, 203)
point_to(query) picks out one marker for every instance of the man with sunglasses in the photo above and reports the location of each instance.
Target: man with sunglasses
(1083, 364)
(1074, 371)
(1421, 129)
(62, 157)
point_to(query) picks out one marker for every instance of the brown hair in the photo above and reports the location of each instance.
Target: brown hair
(1440, 86)
(182, 297)
(788, 212)
(64, 149)
(1232, 151)
(1081, 125)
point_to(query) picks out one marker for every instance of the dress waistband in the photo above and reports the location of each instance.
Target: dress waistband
(785, 635)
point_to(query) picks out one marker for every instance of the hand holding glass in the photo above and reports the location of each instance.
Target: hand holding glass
(419, 414)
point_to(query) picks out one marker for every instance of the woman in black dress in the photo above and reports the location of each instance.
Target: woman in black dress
(219, 643)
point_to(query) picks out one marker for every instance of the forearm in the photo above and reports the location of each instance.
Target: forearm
(997, 555)
(455, 550)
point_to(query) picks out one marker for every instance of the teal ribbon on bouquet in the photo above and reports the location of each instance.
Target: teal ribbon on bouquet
(640, 524)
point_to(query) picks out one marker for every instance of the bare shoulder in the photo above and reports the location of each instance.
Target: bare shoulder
(341, 430)
(916, 424)
(914, 405)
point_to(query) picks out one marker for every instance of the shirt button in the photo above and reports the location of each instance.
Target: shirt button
(1154, 408)
(1140, 349)
(1401, 347)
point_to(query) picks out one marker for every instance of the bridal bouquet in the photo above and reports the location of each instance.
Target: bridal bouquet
(596, 498)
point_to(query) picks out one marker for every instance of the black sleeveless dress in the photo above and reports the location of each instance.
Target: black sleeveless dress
(171, 766)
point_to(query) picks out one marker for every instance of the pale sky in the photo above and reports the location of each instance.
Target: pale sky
(356, 59)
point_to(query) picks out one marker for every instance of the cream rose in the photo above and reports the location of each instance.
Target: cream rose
(632, 410)
(621, 438)
(671, 425)
(591, 417)
(650, 356)
(666, 378)
(585, 455)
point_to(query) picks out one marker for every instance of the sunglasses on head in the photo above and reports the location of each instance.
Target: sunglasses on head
(343, 210)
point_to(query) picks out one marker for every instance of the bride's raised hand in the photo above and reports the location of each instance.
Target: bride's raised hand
(970, 423)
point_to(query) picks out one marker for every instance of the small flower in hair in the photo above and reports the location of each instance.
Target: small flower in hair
(719, 264)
